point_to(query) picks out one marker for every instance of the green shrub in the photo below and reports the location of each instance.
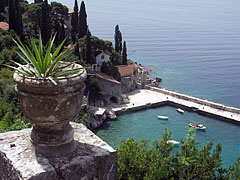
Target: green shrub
(140, 161)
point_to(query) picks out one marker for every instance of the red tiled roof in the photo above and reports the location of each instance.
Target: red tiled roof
(4, 26)
(106, 77)
(125, 70)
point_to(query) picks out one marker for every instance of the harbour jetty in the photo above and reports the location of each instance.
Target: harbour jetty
(155, 96)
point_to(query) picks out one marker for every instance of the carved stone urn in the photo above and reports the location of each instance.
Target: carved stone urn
(51, 107)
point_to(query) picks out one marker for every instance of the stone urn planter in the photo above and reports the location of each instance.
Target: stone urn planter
(51, 107)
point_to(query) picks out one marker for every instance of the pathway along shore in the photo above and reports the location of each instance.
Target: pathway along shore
(152, 97)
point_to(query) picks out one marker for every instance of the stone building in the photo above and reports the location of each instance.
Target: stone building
(100, 57)
(111, 88)
(128, 79)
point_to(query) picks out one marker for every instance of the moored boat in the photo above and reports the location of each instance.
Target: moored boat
(197, 126)
(163, 117)
(180, 110)
(173, 142)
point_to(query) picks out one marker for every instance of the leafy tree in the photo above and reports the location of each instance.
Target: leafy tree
(82, 21)
(88, 48)
(45, 23)
(95, 91)
(118, 39)
(141, 161)
(74, 22)
(59, 13)
(110, 69)
(124, 54)
(32, 18)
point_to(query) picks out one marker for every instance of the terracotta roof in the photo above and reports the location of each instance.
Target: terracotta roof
(125, 70)
(4, 26)
(106, 77)
(70, 11)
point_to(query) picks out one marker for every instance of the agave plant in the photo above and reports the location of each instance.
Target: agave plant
(44, 65)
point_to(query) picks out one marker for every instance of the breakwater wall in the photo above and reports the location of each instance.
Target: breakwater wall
(195, 100)
(154, 97)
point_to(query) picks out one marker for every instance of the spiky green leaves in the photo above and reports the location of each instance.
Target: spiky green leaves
(44, 65)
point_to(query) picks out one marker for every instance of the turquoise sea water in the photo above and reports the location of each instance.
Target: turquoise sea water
(146, 124)
(193, 45)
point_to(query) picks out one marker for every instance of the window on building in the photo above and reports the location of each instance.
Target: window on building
(102, 57)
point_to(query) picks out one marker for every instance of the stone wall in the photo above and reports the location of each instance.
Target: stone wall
(110, 88)
(128, 83)
(93, 159)
(195, 100)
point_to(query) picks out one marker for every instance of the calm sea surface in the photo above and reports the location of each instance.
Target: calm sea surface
(193, 45)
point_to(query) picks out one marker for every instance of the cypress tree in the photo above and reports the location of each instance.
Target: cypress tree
(88, 48)
(124, 54)
(82, 21)
(1, 6)
(74, 22)
(11, 15)
(45, 23)
(60, 33)
(118, 39)
(38, 1)
(18, 16)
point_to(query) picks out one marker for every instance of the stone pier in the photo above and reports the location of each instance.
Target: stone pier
(93, 159)
(152, 97)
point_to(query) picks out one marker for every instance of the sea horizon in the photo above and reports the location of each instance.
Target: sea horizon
(192, 46)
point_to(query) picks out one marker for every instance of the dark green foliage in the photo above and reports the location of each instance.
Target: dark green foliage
(2, 6)
(88, 55)
(7, 49)
(10, 114)
(74, 22)
(11, 14)
(82, 21)
(59, 13)
(19, 22)
(32, 18)
(233, 171)
(110, 69)
(76, 51)
(45, 23)
(60, 34)
(15, 17)
(82, 116)
(106, 46)
(3, 15)
(118, 39)
(124, 54)
(95, 91)
(38, 1)
(140, 161)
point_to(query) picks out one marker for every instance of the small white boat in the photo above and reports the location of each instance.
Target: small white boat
(197, 126)
(173, 142)
(163, 117)
(180, 110)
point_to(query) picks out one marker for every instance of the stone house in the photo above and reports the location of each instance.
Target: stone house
(100, 57)
(128, 79)
(111, 88)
